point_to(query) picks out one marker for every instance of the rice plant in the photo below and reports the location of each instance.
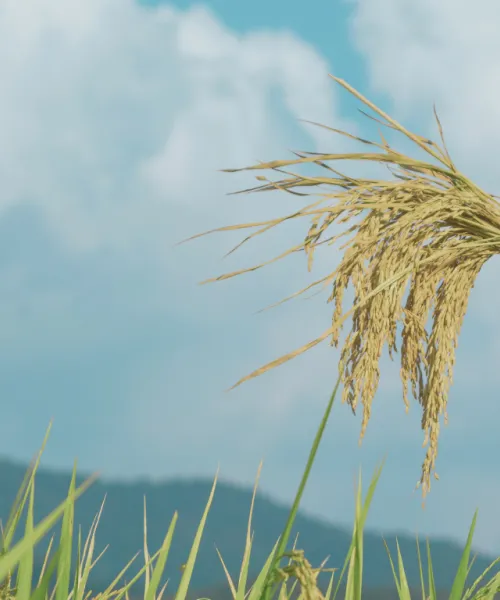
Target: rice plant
(429, 226)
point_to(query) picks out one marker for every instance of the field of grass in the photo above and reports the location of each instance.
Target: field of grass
(286, 574)
(430, 225)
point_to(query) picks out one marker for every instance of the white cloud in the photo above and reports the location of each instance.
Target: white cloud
(445, 52)
(109, 109)
(115, 119)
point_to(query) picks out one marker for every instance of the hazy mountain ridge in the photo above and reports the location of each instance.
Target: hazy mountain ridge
(121, 526)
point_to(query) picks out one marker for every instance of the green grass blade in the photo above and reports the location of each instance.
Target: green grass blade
(421, 571)
(186, 575)
(147, 558)
(471, 590)
(232, 589)
(78, 567)
(124, 590)
(257, 591)
(112, 585)
(329, 589)
(25, 571)
(245, 564)
(66, 545)
(404, 587)
(239, 593)
(364, 512)
(347, 562)
(42, 589)
(349, 589)
(461, 576)
(357, 557)
(489, 591)
(46, 559)
(243, 578)
(86, 561)
(293, 512)
(161, 561)
(12, 558)
(430, 572)
(396, 579)
(22, 496)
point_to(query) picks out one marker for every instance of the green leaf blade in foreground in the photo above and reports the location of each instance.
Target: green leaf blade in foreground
(9, 560)
(21, 497)
(396, 580)
(65, 543)
(25, 571)
(42, 590)
(186, 575)
(259, 586)
(161, 561)
(295, 507)
(463, 568)
(430, 571)
(359, 523)
(245, 563)
(404, 587)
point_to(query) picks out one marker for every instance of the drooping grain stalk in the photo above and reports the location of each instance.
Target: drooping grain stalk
(430, 227)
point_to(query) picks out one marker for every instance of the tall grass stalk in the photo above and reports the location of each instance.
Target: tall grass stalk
(295, 506)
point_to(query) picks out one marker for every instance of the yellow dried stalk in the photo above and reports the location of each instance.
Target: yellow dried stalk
(301, 570)
(430, 226)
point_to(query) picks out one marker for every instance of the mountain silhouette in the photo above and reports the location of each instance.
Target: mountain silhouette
(121, 526)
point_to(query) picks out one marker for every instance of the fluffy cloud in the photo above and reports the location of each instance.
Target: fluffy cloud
(114, 115)
(438, 52)
(115, 119)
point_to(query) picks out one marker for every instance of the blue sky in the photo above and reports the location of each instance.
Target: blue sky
(115, 119)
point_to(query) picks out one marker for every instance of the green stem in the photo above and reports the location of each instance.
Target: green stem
(293, 512)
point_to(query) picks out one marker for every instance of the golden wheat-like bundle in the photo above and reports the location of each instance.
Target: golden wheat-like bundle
(431, 226)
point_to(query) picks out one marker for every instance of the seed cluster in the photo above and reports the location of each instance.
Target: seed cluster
(429, 227)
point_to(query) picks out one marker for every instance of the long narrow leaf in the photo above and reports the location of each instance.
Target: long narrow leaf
(12, 558)
(461, 576)
(186, 575)
(66, 544)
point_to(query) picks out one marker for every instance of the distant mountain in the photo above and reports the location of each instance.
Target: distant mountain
(121, 526)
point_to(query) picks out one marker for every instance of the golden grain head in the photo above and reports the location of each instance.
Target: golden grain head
(300, 569)
(430, 227)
